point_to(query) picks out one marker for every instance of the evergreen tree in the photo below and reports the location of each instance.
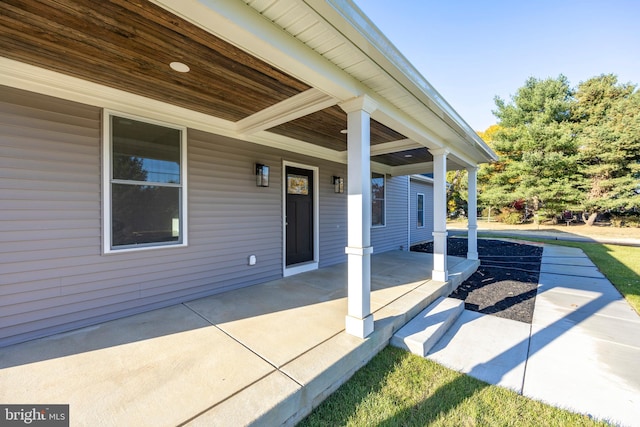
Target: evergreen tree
(606, 118)
(537, 147)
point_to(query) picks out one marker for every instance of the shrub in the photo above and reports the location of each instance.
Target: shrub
(629, 220)
(511, 218)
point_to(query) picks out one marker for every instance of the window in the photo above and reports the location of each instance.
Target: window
(145, 184)
(377, 200)
(420, 210)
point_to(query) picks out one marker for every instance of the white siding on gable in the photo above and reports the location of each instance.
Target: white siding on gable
(393, 235)
(421, 234)
(53, 275)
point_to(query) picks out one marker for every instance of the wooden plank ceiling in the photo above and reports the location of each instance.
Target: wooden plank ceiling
(129, 44)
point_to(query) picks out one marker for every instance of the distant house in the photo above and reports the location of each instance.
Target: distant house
(152, 152)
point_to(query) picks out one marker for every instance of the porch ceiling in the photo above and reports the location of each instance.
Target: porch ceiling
(129, 46)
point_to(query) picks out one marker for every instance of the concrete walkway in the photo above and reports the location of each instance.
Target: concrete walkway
(582, 351)
(262, 355)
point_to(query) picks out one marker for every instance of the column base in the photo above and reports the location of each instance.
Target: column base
(439, 276)
(472, 242)
(360, 328)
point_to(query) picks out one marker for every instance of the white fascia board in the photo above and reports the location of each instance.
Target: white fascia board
(421, 178)
(461, 158)
(420, 168)
(300, 105)
(289, 144)
(402, 123)
(242, 26)
(473, 153)
(356, 26)
(381, 168)
(394, 147)
(413, 169)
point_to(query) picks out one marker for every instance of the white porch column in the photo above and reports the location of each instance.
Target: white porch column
(472, 214)
(440, 271)
(359, 320)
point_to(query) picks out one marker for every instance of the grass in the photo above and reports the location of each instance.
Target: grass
(620, 264)
(397, 388)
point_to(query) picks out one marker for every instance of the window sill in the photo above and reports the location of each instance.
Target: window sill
(142, 249)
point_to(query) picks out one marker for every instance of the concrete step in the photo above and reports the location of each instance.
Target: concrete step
(422, 332)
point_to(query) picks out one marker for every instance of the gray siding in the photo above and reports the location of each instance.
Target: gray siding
(393, 236)
(53, 276)
(333, 215)
(422, 234)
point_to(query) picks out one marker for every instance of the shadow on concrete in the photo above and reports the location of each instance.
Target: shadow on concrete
(449, 396)
(313, 298)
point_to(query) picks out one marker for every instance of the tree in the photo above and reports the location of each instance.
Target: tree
(457, 192)
(606, 118)
(490, 190)
(537, 149)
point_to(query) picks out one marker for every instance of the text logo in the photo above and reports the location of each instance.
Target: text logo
(34, 415)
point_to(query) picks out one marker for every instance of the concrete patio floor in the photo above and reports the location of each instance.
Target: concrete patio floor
(264, 354)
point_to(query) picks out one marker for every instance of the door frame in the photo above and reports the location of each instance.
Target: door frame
(310, 265)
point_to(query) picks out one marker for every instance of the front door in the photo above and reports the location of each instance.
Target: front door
(299, 221)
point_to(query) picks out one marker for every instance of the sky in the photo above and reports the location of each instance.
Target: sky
(472, 51)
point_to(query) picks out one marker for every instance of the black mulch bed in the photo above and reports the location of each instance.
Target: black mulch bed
(506, 282)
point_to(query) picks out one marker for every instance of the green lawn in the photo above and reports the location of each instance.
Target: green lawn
(398, 388)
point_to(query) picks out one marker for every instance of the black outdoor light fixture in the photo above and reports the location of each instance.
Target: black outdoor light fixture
(262, 175)
(338, 184)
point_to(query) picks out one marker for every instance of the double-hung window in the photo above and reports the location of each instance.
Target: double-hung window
(420, 211)
(377, 200)
(144, 188)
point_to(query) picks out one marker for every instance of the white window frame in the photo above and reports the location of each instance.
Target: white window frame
(107, 175)
(418, 195)
(384, 188)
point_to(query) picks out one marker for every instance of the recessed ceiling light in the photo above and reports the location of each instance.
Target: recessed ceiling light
(180, 67)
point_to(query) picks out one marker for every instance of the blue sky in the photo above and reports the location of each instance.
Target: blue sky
(471, 51)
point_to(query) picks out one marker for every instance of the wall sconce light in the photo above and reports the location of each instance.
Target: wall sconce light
(338, 184)
(262, 175)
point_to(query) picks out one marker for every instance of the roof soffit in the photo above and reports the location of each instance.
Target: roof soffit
(394, 77)
(280, 115)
